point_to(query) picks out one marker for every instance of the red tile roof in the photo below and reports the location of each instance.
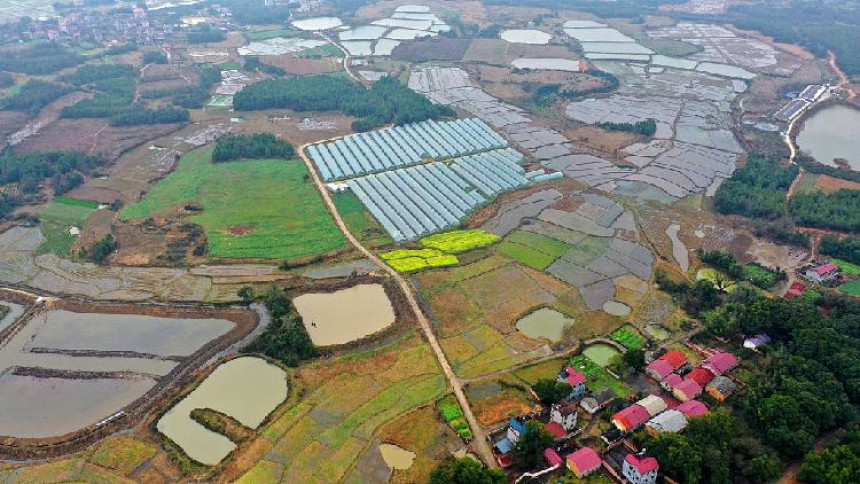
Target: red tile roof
(692, 408)
(825, 269)
(556, 430)
(673, 380)
(659, 368)
(585, 459)
(631, 417)
(688, 388)
(644, 466)
(674, 358)
(574, 377)
(552, 457)
(671, 403)
(721, 363)
(700, 375)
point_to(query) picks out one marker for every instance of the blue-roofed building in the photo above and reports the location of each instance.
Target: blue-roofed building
(504, 445)
(515, 429)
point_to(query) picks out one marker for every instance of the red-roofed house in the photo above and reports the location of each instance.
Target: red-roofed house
(576, 380)
(795, 290)
(640, 470)
(692, 408)
(552, 458)
(563, 413)
(701, 375)
(671, 381)
(556, 430)
(721, 363)
(630, 418)
(822, 273)
(687, 390)
(583, 462)
(666, 364)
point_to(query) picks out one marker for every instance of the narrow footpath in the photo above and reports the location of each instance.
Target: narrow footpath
(479, 443)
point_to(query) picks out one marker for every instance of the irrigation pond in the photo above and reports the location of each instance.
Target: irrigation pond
(247, 389)
(600, 353)
(832, 133)
(346, 315)
(544, 323)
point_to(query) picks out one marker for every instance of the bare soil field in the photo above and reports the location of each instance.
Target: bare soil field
(488, 51)
(288, 124)
(432, 49)
(302, 66)
(46, 116)
(601, 139)
(504, 83)
(830, 184)
(11, 121)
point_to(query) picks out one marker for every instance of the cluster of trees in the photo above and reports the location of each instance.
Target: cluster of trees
(834, 465)
(98, 72)
(155, 57)
(256, 11)
(551, 391)
(782, 230)
(100, 251)
(190, 97)
(386, 102)
(646, 127)
(205, 35)
(714, 449)
(121, 49)
(466, 470)
(757, 190)
(694, 298)
(839, 210)
(810, 381)
(34, 95)
(550, 94)
(137, 116)
(762, 277)
(114, 96)
(809, 164)
(259, 145)
(28, 170)
(253, 63)
(285, 339)
(528, 451)
(40, 59)
(847, 248)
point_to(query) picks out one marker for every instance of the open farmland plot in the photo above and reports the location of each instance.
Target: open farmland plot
(57, 221)
(344, 409)
(251, 209)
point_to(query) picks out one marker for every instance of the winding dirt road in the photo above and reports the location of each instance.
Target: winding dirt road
(479, 443)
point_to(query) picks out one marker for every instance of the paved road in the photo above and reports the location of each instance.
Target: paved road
(479, 443)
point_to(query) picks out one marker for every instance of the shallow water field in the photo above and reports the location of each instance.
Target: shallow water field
(396, 457)
(15, 312)
(66, 330)
(547, 64)
(600, 353)
(544, 323)
(48, 407)
(517, 36)
(346, 315)
(831, 133)
(318, 23)
(247, 389)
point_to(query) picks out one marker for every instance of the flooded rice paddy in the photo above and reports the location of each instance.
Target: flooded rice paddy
(47, 407)
(600, 353)
(544, 323)
(247, 389)
(517, 36)
(318, 23)
(832, 133)
(396, 457)
(15, 312)
(66, 330)
(63, 371)
(345, 315)
(616, 308)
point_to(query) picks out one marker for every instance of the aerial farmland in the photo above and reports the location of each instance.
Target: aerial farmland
(387, 241)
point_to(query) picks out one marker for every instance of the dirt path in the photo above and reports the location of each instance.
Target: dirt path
(794, 184)
(844, 82)
(479, 443)
(557, 354)
(347, 58)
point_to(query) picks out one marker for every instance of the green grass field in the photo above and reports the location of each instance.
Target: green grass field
(852, 288)
(628, 337)
(56, 219)
(270, 34)
(527, 255)
(272, 198)
(359, 221)
(847, 267)
(597, 377)
(541, 243)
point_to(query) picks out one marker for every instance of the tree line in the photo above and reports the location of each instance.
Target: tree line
(34, 95)
(138, 116)
(258, 145)
(386, 102)
(29, 170)
(646, 127)
(757, 190)
(839, 210)
(285, 339)
(40, 59)
(846, 248)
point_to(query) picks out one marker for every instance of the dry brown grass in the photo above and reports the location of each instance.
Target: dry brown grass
(300, 66)
(830, 184)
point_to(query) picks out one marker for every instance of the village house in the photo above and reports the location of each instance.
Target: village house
(556, 430)
(640, 470)
(721, 363)
(721, 388)
(598, 400)
(668, 421)
(692, 409)
(552, 458)
(823, 273)
(630, 418)
(687, 390)
(670, 382)
(662, 367)
(584, 462)
(653, 404)
(576, 380)
(564, 414)
(701, 375)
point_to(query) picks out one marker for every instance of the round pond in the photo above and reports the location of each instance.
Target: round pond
(600, 353)
(832, 133)
(544, 323)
